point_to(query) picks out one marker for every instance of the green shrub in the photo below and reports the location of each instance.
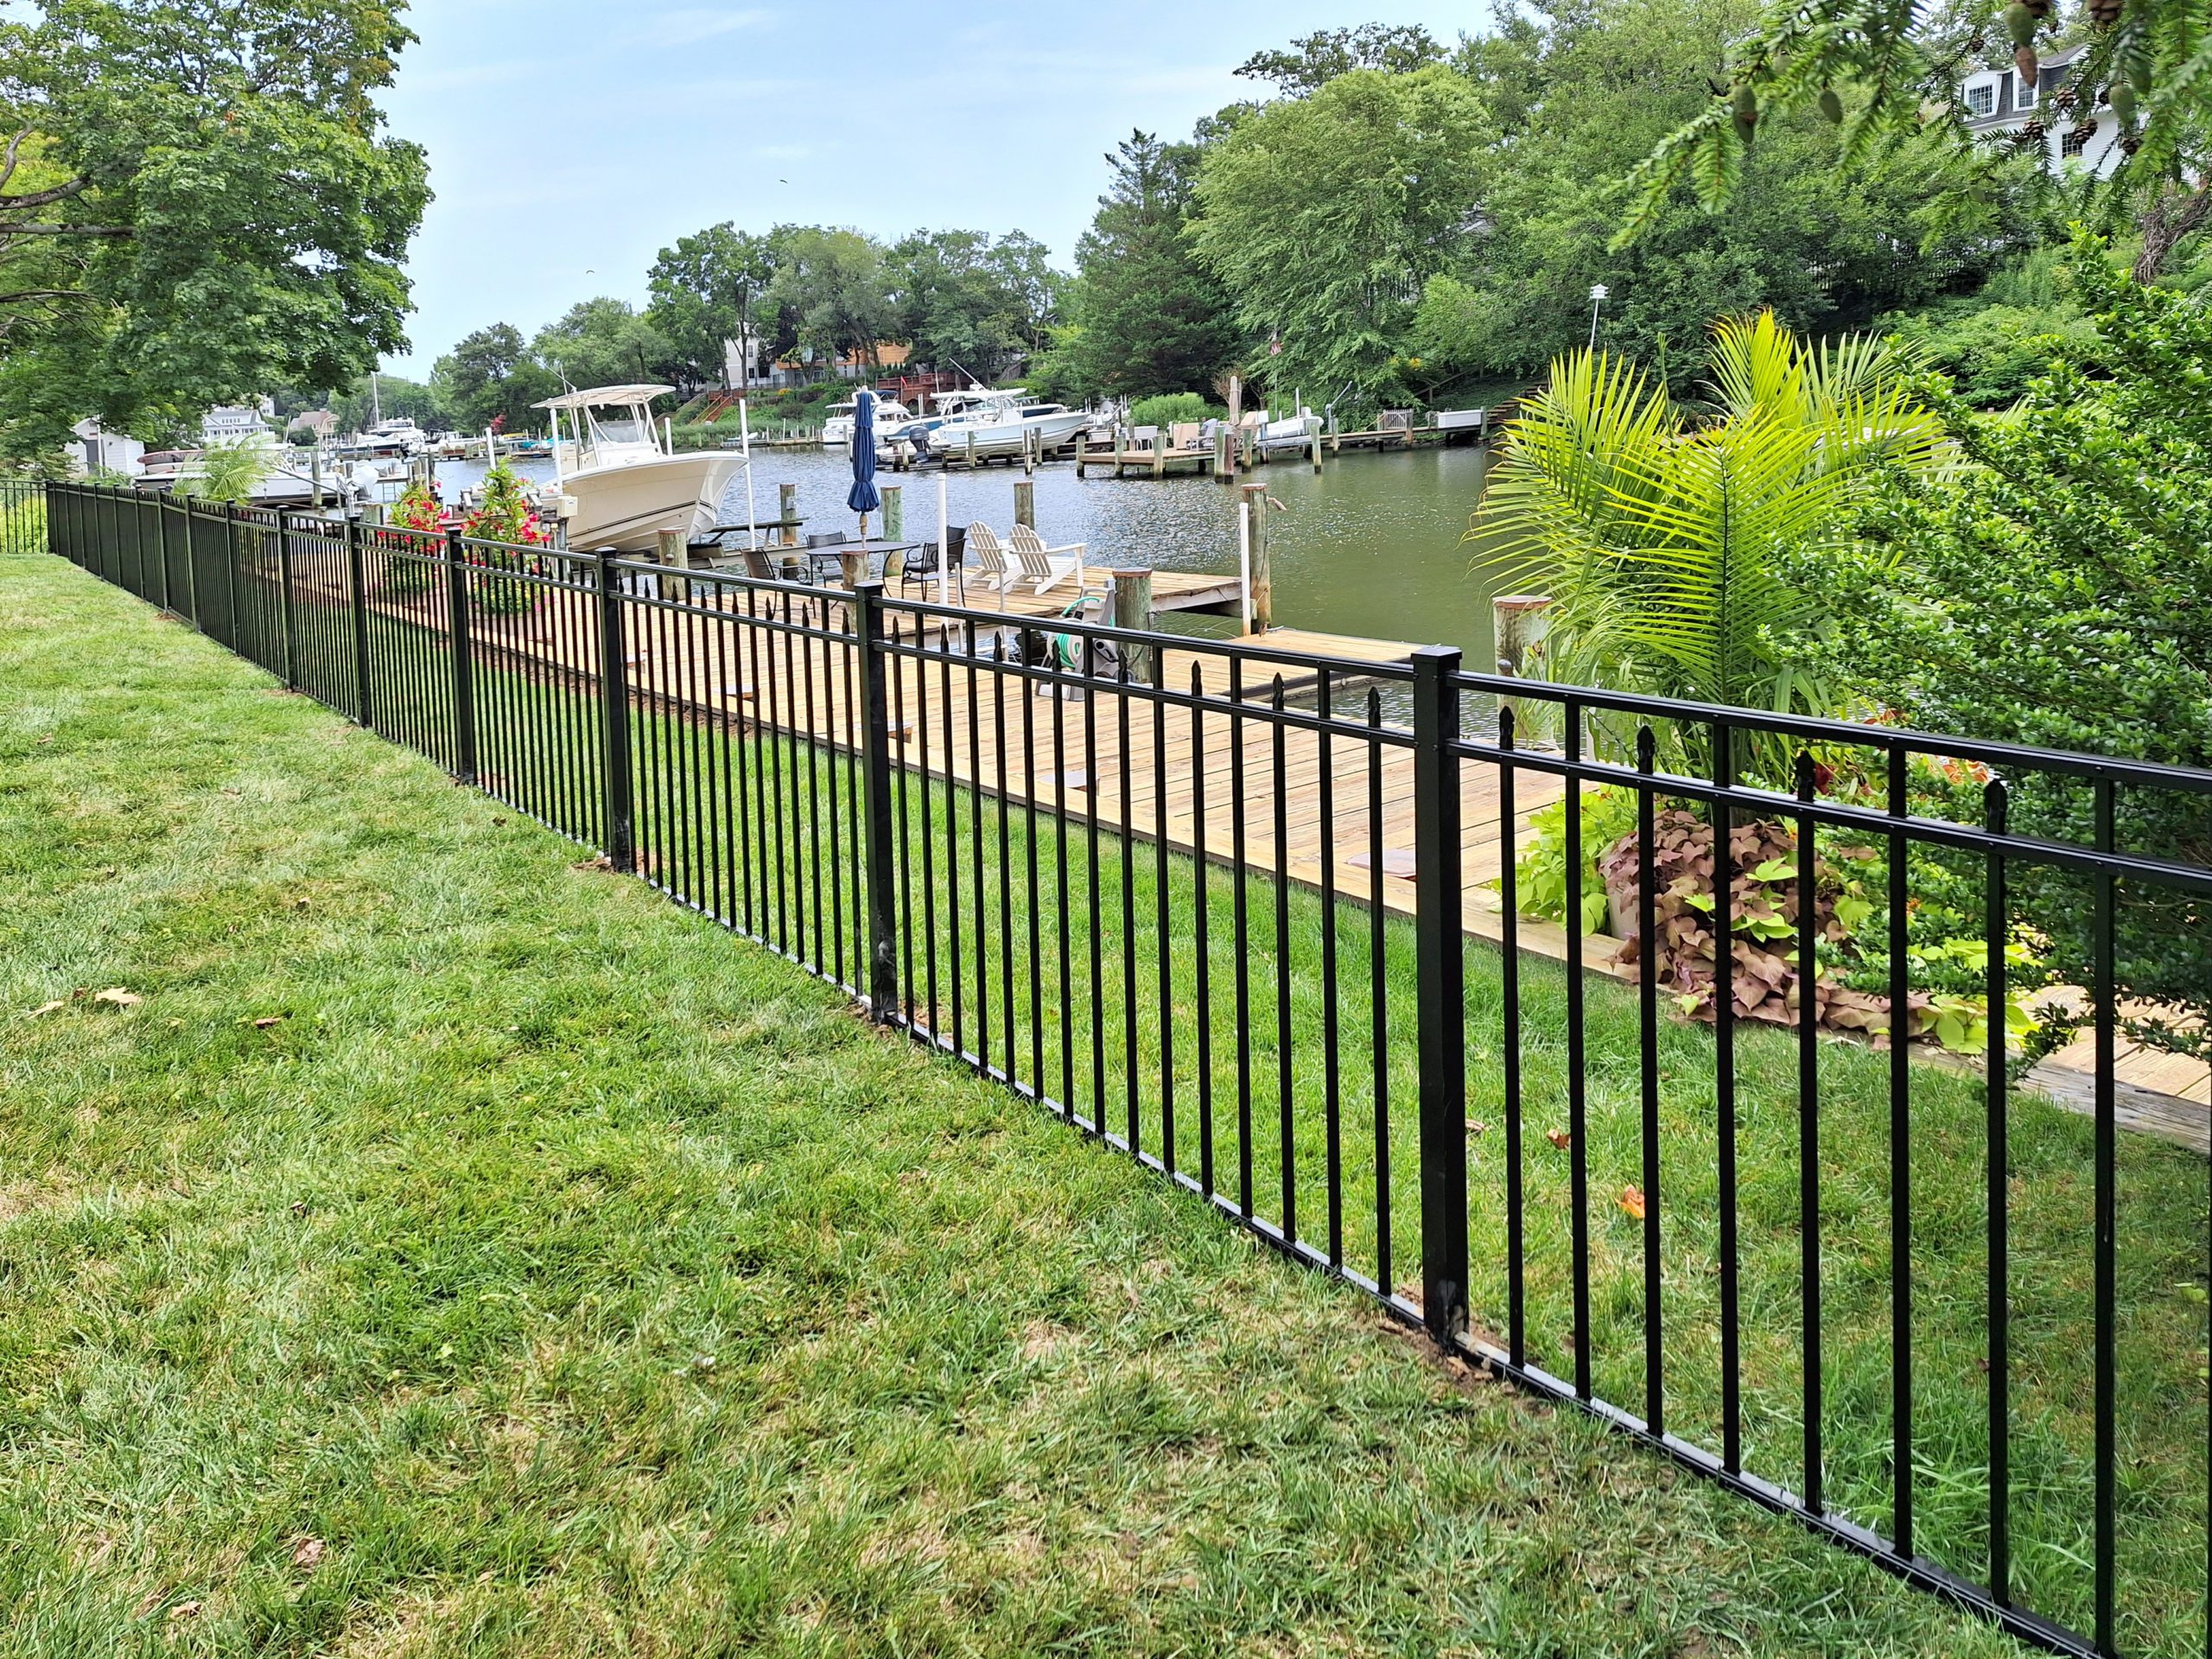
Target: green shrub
(1170, 407)
(2051, 592)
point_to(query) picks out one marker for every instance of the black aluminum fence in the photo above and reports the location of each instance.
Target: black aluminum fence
(22, 516)
(1253, 918)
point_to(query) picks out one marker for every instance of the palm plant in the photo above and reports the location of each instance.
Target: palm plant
(1665, 540)
(228, 471)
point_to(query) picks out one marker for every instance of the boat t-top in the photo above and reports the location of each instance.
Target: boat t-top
(621, 481)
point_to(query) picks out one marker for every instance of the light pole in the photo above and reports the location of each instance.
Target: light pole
(1597, 299)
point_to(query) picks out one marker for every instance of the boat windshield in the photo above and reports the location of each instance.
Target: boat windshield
(614, 428)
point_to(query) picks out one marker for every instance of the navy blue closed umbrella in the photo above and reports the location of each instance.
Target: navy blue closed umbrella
(864, 498)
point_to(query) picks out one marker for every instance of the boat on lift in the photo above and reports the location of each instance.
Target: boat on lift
(993, 423)
(620, 480)
(837, 430)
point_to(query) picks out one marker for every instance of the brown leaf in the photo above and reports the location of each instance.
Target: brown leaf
(1631, 1199)
(1476, 1125)
(268, 1021)
(59, 1003)
(182, 1610)
(118, 996)
(1559, 1138)
(306, 1552)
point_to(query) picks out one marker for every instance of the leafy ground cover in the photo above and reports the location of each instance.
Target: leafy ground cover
(440, 1246)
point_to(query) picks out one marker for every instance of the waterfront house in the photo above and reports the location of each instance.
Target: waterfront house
(2002, 104)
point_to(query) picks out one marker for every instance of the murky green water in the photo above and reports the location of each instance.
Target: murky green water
(1369, 546)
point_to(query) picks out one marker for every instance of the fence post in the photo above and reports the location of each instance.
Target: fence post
(357, 599)
(463, 655)
(876, 774)
(230, 572)
(161, 506)
(614, 716)
(284, 599)
(1441, 1005)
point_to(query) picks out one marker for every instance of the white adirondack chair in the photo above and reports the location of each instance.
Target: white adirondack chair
(1039, 564)
(990, 560)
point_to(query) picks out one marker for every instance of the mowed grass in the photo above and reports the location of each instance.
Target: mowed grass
(459, 1250)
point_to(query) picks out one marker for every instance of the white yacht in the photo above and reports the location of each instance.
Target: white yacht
(837, 430)
(1003, 422)
(620, 480)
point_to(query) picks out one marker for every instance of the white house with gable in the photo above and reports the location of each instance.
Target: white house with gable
(2001, 103)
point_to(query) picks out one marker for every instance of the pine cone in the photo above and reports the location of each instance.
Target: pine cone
(2105, 13)
(2064, 98)
(2130, 142)
(2024, 60)
(2031, 132)
(2038, 9)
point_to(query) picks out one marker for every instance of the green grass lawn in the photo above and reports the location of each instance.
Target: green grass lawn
(459, 1250)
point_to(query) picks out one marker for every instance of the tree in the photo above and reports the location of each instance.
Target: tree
(1884, 69)
(1580, 92)
(834, 283)
(489, 376)
(704, 290)
(1320, 58)
(2057, 592)
(1668, 545)
(395, 395)
(1323, 216)
(601, 342)
(962, 297)
(1146, 315)
(196, 201)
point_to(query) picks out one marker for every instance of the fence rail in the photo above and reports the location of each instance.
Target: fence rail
(1207, 904)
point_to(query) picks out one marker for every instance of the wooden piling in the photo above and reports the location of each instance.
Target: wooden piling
(673, 554)
(1024, 502)
(1120, 449)
(1264, 587)
(895, 513)
(787, 509)
(1520, 621)
(1131, 602)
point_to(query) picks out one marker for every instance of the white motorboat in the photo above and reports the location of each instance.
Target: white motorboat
(987, 423)
(1293, 432)
(837, 430)
(397, 438)
(619, 479)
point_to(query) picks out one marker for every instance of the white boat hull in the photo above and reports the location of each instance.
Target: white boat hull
(627, 506)
(1009, 437)
(1293, 433)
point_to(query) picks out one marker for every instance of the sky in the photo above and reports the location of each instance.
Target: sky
(571, 140)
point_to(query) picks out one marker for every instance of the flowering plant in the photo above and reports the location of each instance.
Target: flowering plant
(417, 509)
(503, 515)
(407, 571)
